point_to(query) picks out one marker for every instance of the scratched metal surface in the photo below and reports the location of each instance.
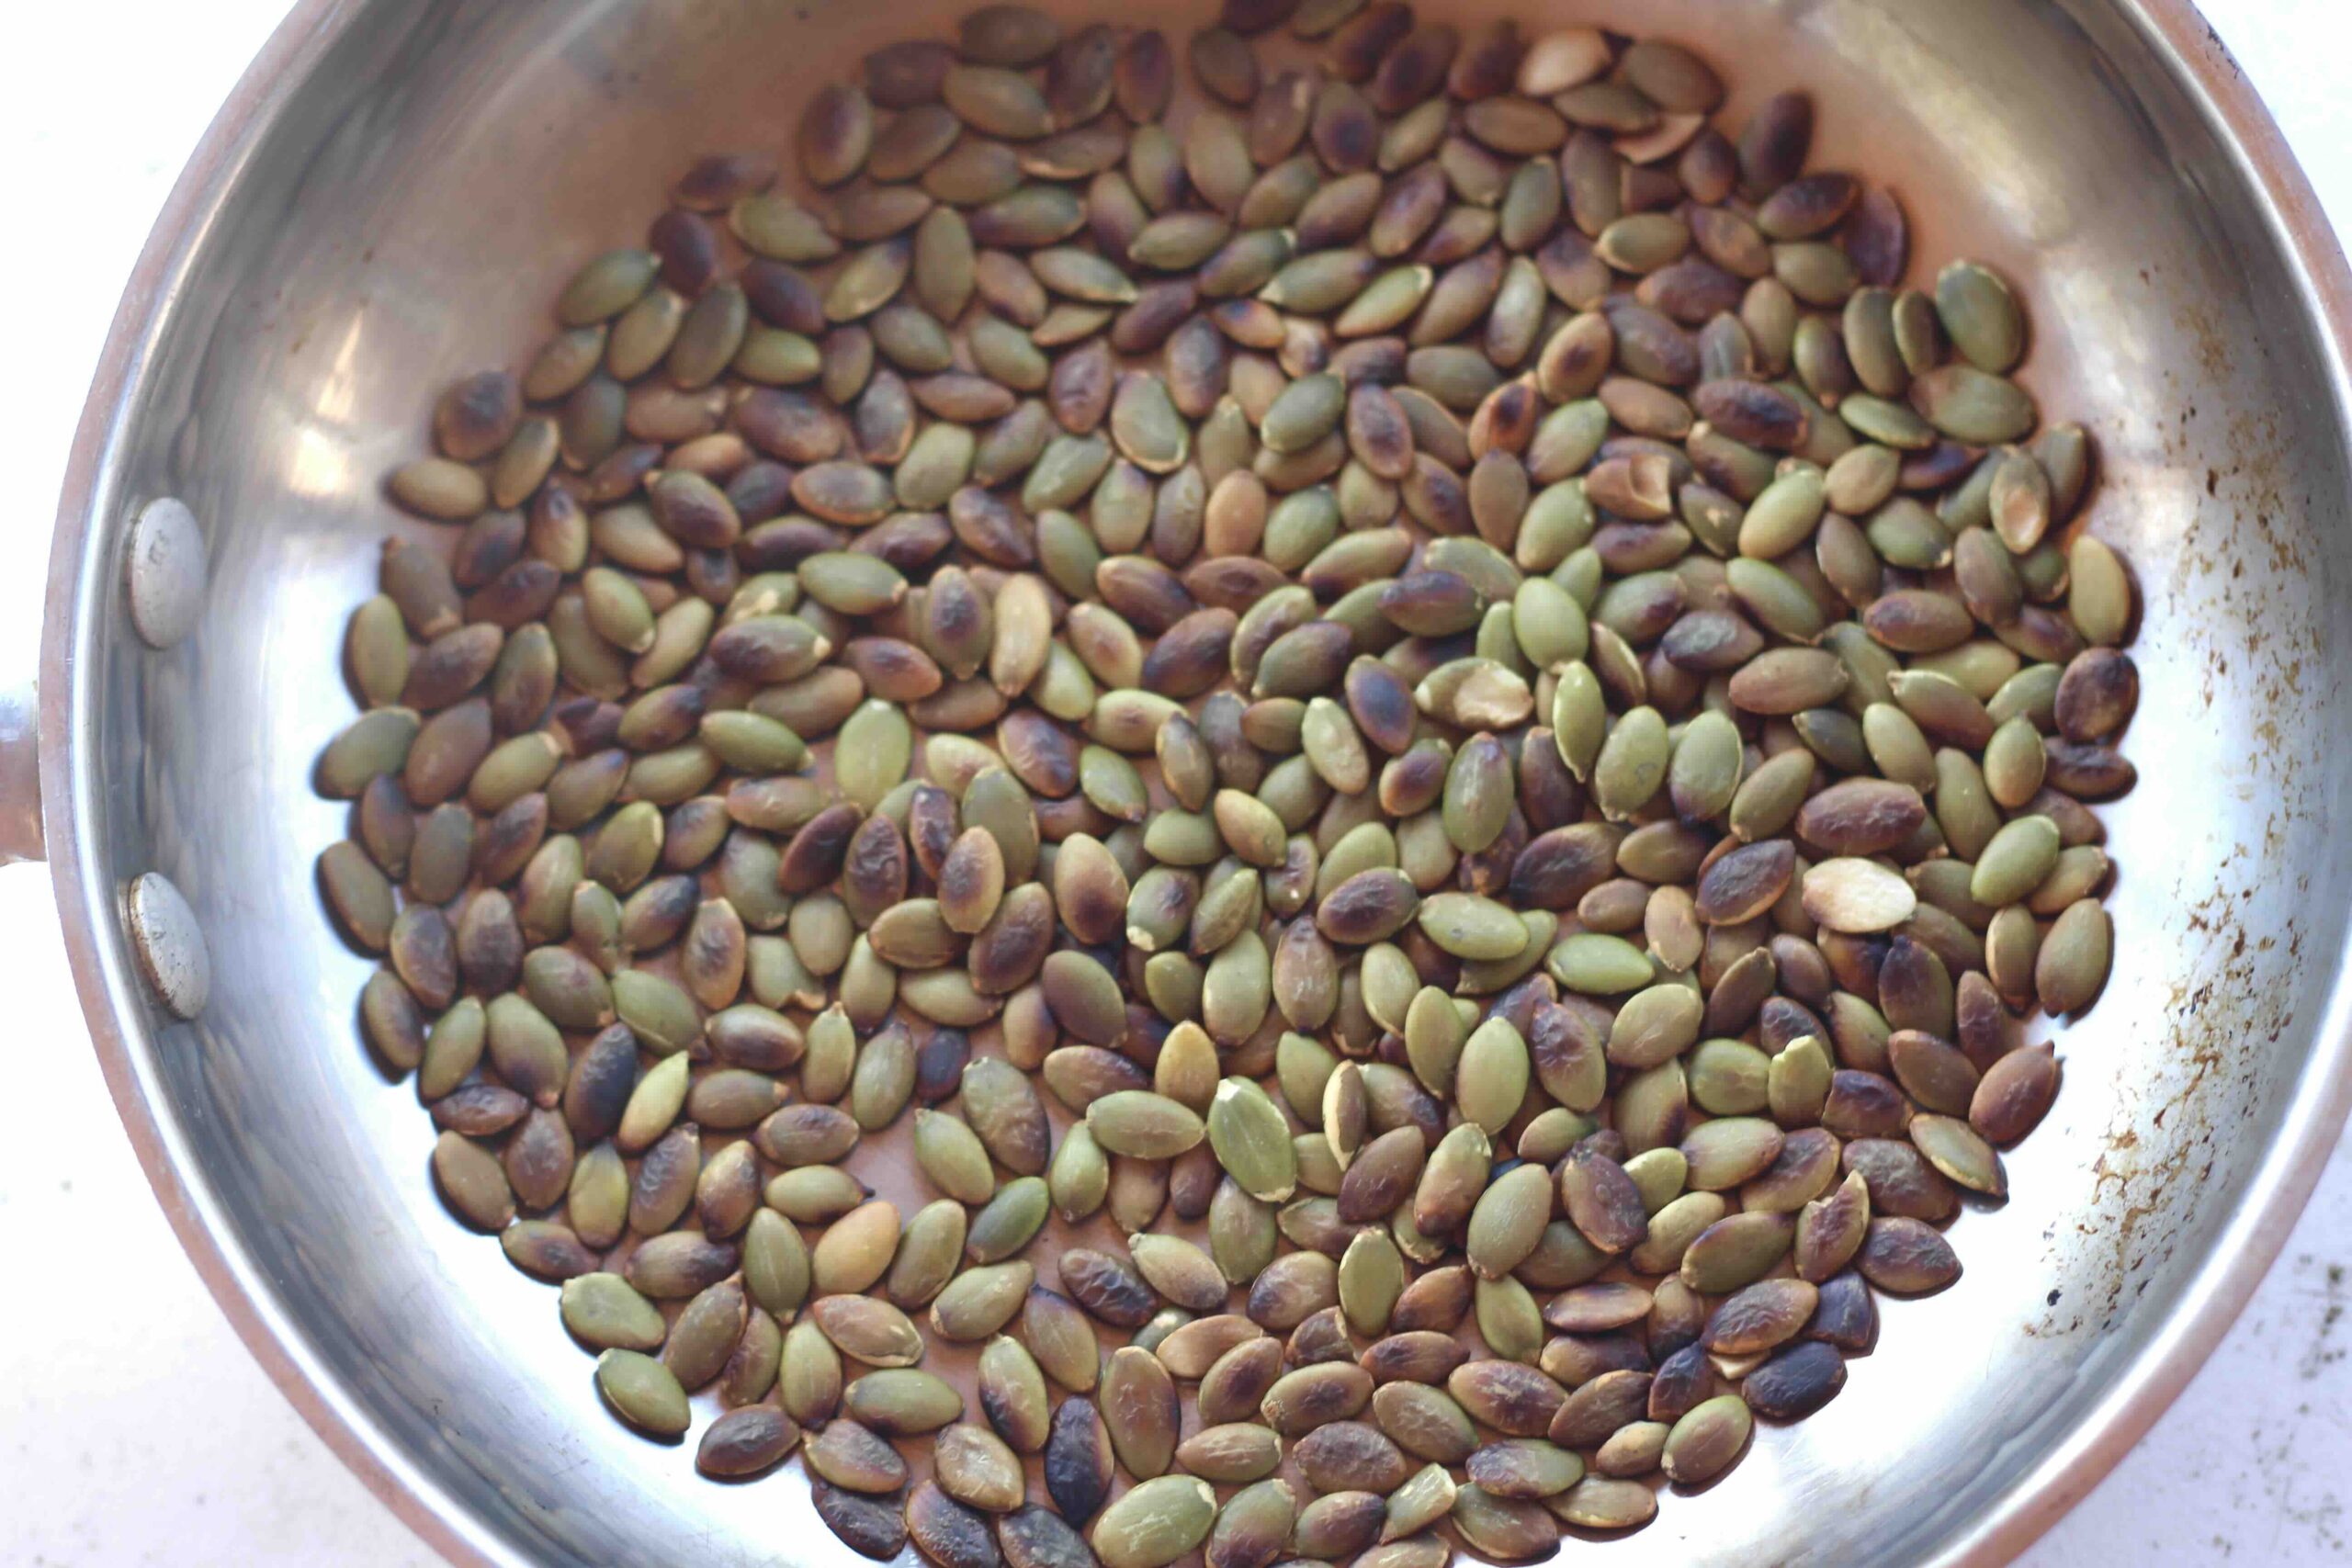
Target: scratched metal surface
(368, 253)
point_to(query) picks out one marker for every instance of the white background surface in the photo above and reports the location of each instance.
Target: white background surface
(134, 1429)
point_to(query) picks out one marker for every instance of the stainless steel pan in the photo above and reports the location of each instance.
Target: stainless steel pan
(390, 198)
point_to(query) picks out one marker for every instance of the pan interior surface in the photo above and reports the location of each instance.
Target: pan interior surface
(406, 211)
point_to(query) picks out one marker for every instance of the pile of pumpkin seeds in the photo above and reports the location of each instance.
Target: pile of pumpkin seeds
(1396, 710)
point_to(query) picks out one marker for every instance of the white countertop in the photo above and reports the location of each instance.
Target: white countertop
(137, 1430)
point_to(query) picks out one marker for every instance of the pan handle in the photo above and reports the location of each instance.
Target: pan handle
(20, 829)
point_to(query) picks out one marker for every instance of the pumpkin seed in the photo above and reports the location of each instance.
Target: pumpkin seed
(1602, 1504)
(1154, 1523)
(1707, 1441)
(981, 1301)
(746, 1441)
(1031, 1537)
(902, 1402)
(642, 1392)
(1254, 1527)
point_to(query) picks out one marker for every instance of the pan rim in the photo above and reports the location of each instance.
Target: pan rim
(114, 1003)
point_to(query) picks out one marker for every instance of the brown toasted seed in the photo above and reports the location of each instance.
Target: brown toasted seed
(1761, 1317)
(1106, 1286)
(2014, 1094)
(1382, 1175)
(1369, 907)
(1796, 1382)
(1013, 1393)
(1231, 1452)
(836, 133)
(745, 1442)
(901, 75)
(996, 101)
(1427, 1422)
(853, 1458)
(1031, 1537)
(1421, 1354)
(1831, 1228)
(870, 1528)
(873, 1331)
(1745, 881)
(1321, 1340)
(1192, 1349)
(977, 1468)
(2083, 772)
(1293, 1288)
(1225, 64)
(1338, 1525)
(1345, 1454)
(1307, 1398)
(1601, 1201)
(1239, 1380)
(947, 1532)
(1513, 1399)
(1525, 1469)
(1254, 1527)
(1077, 1460)
(472, 1180)
(1007, 34)
(705, 1334)
(1595, 1309)
(1598, 1408)
(1906, 1257)
(1861, 817)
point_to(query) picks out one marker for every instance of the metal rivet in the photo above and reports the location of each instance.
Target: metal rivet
(164, 571)
(169, 943)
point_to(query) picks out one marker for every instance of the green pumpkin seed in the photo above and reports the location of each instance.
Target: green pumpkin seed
(1143, 1125)
(1252, 1140)
(1154, 1523)
(1707, 1441)
(1008, 1222)
(643, 1393)
(603, 1311)
(1492, 1079)
(2015, 862)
